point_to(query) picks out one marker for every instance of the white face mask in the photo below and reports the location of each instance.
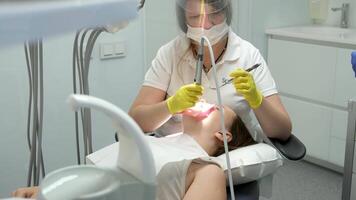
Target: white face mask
(214, 34)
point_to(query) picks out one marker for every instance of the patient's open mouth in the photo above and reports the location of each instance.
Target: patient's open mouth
(200, 111)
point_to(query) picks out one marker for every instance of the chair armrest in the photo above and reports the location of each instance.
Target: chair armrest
(292, 148)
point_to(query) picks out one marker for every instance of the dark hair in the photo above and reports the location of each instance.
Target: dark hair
(240, 136)
(181, 13)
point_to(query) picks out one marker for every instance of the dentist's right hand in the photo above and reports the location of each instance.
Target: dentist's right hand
(184, 98)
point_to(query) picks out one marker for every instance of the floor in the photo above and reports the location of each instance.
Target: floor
(304, 181)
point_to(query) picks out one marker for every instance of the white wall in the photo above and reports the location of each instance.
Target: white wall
(116, 80)
(255, 16)
(160, 27)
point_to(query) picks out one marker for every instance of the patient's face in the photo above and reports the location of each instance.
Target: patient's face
(213, 120)
(208, 116)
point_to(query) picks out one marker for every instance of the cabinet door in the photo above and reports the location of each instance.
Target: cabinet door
(316, 82)
(338, 131)
(311, 124)
(345, 81)
(303, 70)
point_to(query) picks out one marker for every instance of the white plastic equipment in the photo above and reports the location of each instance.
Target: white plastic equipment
(134, 177)
(33, 19)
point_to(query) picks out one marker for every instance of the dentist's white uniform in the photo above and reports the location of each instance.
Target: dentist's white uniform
(174, 66)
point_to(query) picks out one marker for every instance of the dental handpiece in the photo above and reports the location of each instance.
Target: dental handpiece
(248, 70)
(199, 66)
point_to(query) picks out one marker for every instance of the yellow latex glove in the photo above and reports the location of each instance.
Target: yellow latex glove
(184, 98)
(245, 85)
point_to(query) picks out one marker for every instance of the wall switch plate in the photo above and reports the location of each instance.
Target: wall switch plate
(112, 50)
(120, 49)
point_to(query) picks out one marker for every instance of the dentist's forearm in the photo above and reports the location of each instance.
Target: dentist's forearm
(150, 117)
(273, 118)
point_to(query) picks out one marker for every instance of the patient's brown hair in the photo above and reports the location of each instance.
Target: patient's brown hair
(240, 136)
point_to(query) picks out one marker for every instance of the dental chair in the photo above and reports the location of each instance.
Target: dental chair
(291, 149)
(252, 166)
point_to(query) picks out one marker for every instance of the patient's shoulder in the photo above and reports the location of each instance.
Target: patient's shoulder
(204, 172)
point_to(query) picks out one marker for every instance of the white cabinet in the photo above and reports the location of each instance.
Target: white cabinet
(315, 82)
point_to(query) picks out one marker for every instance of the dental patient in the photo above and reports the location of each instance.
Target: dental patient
(199, 177)
(202, 178)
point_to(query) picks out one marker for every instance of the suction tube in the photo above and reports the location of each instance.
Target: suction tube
(222, 121)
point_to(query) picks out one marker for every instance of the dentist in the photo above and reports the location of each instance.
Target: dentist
(168, 88)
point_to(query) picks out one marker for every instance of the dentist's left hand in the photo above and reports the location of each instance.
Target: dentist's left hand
(184, 98)
(245, 85)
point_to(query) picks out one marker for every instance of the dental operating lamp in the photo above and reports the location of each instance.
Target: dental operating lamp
(33, 19)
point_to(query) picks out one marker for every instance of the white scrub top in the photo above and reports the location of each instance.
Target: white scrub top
(174, 66)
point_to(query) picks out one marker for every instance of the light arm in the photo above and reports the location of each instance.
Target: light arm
(131, 134)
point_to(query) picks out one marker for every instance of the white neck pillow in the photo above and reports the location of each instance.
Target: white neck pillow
(247, 163)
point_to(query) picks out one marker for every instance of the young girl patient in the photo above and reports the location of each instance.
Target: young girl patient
(202, 178)
(199, 178)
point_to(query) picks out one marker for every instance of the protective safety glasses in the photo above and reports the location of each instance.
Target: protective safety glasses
(199, 12)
